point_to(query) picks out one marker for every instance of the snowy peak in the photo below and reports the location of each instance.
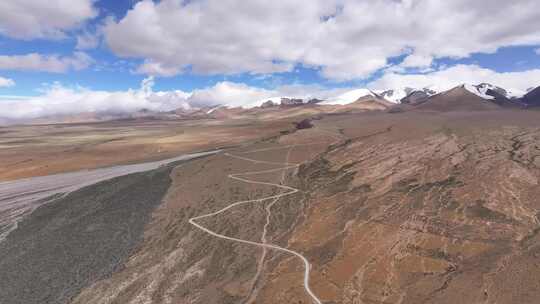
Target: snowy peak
(280, 101)
(401, 95)
(491, 92)
(395, 95)
(479, 90)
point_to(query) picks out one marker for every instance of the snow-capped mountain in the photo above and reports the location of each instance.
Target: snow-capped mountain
(405, 95)
(400, 95)
(278, 101)
(491, 92)
(395, 95)
(480, 91)
(349, 97)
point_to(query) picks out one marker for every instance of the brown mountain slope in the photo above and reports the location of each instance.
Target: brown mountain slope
(391, 208)
(532, 98)
(457, 99)
(372, 103)
(399, 211)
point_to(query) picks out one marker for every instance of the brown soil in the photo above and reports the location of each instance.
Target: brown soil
(408, 207)
(27, 151)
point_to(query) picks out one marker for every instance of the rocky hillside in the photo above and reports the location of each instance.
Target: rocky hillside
(409, 207)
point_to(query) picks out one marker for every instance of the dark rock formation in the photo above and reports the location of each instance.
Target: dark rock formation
(304, 124)
(291, 101)
(415, 97)
(314, 101)
(267, 104)
(532, 99)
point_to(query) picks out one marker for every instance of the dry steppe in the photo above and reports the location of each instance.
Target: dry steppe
(34, 150)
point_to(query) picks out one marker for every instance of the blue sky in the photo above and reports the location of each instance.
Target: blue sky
(196, 45)
(506, 59)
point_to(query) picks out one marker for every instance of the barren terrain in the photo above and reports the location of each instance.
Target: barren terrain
(411, 207)
(27, 151)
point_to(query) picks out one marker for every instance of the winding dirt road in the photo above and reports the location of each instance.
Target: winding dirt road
(289, 190)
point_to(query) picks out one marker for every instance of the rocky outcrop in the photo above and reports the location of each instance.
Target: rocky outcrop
(314, 101)
(415, 97)
(268, 104)
(304, 124)
(457, 99)
(532, 99)
(291, 101)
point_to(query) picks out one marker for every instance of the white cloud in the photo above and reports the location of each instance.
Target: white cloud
(228, 93)
(60, 100)
(157, 69)
(45, 63)
(28, 19)
(417, 61)
(6, 82)
(87, 41)
(241, 95)
(449, 77)
(346, 39)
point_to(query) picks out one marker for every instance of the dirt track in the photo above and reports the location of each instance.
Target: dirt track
(263, 244)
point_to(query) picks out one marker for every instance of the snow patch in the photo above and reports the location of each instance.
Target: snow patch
(482, 91)
(515, 93)
(396, 95)
(479, 90)
(276, 100)
(213, 109)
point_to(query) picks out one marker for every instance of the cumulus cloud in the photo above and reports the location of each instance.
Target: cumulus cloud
(241, 95)
(228, 93)
(28, 19)
(449, 77)
(156, 69)
(344, 39)
(417, 61)
(45, 63)
(87, 41)
(60, 100)
(6, 82)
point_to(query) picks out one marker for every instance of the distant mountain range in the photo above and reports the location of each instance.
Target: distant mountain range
(408, 95)
(465, 97)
